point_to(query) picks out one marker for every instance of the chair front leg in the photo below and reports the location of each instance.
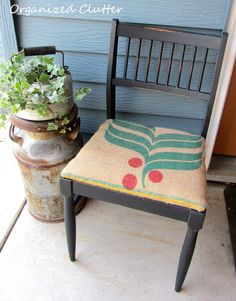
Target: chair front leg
(195, 223)
(70, 225)
(69, 215)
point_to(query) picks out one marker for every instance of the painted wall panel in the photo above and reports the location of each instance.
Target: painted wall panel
(7, 31)
(73, 35)
(144, 102)
(192, 13)
(91, 119)
(85, 40)
(69, 34)
(92, 67)
(1, 50)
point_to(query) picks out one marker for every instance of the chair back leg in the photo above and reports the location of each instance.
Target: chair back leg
(195, 223)
(185, 257)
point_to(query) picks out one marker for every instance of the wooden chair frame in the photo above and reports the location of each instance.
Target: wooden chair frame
(71, 188)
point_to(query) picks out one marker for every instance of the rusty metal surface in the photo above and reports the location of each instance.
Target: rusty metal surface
(78, 208)
(41, 162)
(41, 126)
(46, 154)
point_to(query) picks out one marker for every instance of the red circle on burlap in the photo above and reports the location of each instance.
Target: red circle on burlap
(135, 162)
(129, 181)
(155, 176)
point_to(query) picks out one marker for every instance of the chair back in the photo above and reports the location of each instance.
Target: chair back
(164, 59)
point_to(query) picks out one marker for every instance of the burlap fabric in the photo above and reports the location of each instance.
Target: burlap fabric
(157, 163)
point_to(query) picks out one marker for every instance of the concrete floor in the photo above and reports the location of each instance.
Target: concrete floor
(12, 191)
(123, 254)
(222, 169)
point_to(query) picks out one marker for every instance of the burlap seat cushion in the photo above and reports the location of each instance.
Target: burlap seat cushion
(156, 163)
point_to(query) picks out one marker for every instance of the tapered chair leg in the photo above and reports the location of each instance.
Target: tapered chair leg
(70, 226)
(185, 257)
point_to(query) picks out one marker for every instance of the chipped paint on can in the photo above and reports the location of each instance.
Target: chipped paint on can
(43, 191)
(41, 162)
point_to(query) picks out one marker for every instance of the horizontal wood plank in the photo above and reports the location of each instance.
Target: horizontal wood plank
(86, 56)
(143, 102)
(174, 36)
(78, 35)
(159, 87)
(66, 34)
(183, 13)
(90, 67)
(92, 119)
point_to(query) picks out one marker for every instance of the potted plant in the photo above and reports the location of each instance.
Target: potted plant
(36, 89)
(39, 94)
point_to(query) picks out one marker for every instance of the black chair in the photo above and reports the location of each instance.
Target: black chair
(154, 156)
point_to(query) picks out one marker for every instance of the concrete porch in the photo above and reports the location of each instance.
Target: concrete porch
(123, 254)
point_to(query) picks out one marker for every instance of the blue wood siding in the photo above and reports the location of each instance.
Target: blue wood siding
(1, 50)
(85, 40)
(8, 44)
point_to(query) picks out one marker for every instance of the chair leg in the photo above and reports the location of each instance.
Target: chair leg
(195, 223)
(185, 257)
(66, 187)
(70, 226)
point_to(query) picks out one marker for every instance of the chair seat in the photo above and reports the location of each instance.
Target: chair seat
(160, 164)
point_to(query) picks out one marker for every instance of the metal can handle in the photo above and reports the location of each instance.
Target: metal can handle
(13, 137)
(41, 50)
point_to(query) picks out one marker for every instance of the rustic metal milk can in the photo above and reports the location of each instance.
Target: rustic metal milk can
(41, 155)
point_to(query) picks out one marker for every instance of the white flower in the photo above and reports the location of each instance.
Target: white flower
(54, 97)
(35, 98)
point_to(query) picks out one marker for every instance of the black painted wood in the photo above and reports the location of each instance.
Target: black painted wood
(167, 39)
(170, 63)
(168, 35)
(111, 71)
(128, 200)
(181, 66)
(185, 257)
(215, 83)
(192, 67)
(203, 66)
(126, 58)
(159, 62)
(148, 61)
(160, 87)
(70, 225)
(137, 59)
(71, 188)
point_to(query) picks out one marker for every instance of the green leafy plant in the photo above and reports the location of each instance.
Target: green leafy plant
(34, 84)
